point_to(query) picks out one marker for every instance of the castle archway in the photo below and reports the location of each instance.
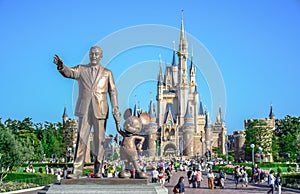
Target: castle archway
(170, 150)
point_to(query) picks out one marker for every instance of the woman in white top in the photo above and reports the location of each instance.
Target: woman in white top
(211, 177)
(271, 182)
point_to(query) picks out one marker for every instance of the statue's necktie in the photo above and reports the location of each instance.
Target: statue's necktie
(94, 71)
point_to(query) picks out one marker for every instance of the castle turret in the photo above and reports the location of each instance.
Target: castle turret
(151, 132)
(65, 116)
(193, 83)
(174, 69)
(201, 112)
(207, 133)
(219, 118)
(271, 115)
(188, 132)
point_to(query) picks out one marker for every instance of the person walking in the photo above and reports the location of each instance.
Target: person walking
(199, 177)
(65, 170)
(194, 177)
(168, 173)
(244, 176)
(211, 177)
(189, 176)
(221, 178)
(162, 176)
(278, 183)
(154, 174)
(179, 187)
(271, 182)
(236, 176)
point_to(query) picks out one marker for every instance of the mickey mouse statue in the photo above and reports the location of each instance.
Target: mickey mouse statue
(129, 149)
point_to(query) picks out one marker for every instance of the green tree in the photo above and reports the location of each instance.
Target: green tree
(12, 153)
(52, 138)
(286, 132)
(24, 132)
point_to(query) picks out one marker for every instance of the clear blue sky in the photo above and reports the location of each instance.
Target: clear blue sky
(254, 43)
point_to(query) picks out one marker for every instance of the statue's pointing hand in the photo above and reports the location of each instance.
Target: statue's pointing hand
(58, 61)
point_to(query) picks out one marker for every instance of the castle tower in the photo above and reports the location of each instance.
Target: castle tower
(188, 133)
(65, 116)
(219, 119)
(207, 133)
(174, 69)
(193, 83)
(271, 115)
(183, 86)
(151, 132)
(159, 98)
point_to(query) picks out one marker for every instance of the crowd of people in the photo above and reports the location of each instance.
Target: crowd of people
(196, 172)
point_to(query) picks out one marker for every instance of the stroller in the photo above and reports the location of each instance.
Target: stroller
(219, 182)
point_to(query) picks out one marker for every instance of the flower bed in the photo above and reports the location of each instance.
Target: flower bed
(14, 186)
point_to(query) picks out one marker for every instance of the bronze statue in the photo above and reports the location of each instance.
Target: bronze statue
(94, 82)
(129, 149)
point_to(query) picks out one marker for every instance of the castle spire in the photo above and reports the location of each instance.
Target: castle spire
(151, 110)
(160, 75)
(188, 114)
(271, 115)
(201, 112)
(65, 116)
(193, 82)
(183, 43)
(219, 117)
(206, 119)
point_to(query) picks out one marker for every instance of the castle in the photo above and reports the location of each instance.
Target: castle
(179, 126)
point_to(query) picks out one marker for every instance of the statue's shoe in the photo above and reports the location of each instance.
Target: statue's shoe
(74, 176)
(98, 176)
(141, 175)
(124, 174)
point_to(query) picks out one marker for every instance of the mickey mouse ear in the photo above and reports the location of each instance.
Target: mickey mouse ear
(145, 118)
(127, 113)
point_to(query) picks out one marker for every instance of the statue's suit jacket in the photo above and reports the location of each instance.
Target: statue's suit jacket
(93, 92)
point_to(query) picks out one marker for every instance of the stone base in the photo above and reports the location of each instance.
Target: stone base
(107, 186)
(103, 181)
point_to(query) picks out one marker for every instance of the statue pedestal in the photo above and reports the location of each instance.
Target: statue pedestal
(106, 186)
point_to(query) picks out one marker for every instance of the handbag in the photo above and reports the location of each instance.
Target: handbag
(176, 189)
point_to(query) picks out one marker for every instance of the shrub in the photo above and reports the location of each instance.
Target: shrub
(289, 169)
(279, 169)
(249, 172)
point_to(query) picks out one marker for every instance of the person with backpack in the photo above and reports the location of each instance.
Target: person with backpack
(189, 176)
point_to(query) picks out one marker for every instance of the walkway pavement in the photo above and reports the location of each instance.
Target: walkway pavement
(229, 187)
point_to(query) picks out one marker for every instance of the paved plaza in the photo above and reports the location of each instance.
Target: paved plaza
(229, 187)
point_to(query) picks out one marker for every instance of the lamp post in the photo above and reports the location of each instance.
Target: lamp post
(260, 153)
(252, 146)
